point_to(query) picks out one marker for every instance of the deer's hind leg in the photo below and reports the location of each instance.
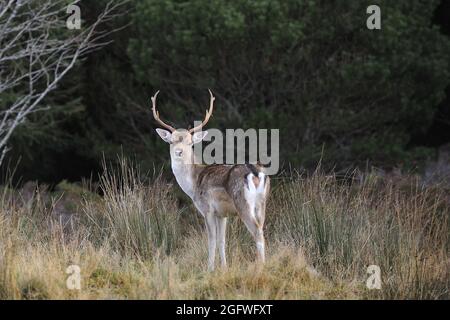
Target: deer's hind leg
(256, 230)
(251, 206)
(254, 226)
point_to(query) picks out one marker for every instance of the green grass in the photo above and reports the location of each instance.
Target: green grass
(141, 241)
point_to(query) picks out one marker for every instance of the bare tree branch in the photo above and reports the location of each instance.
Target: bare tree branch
(37, 51)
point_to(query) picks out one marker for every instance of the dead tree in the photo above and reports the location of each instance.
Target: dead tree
(37, 50)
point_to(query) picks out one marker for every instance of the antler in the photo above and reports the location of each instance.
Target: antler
(156, 114)
(207, 116)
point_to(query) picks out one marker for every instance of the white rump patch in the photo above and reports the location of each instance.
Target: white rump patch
(251, 185)
(250, 194)
(261, 185)
(253, 194)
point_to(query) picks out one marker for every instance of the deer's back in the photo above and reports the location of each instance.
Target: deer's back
(224, 185)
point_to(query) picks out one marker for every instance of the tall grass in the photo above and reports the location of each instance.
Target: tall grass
(141, 240)
(402, 227)
(132, 217)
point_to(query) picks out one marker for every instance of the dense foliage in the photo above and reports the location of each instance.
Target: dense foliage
(335, 89)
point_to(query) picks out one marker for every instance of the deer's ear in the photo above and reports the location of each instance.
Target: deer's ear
(199, 136)
(165, 135)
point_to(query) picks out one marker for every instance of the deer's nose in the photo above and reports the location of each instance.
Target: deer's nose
(178, 152)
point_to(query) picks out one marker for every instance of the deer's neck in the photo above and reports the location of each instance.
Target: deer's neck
(186, 176)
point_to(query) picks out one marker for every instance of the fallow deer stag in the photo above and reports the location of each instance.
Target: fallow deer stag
(217, 191)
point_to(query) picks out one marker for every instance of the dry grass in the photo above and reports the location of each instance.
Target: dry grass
(139, 242)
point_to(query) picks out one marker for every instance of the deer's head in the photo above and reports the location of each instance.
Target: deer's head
(182, 140)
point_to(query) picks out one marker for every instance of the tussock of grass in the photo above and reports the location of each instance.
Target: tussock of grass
(136, 242)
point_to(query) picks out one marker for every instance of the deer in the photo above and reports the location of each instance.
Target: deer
(217, 191)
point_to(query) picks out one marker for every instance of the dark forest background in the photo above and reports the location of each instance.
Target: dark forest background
(337, 91)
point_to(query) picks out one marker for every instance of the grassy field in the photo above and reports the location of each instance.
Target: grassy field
(141, 239)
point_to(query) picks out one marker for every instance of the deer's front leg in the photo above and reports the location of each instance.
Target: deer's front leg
(211, 231)
(221, 236)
